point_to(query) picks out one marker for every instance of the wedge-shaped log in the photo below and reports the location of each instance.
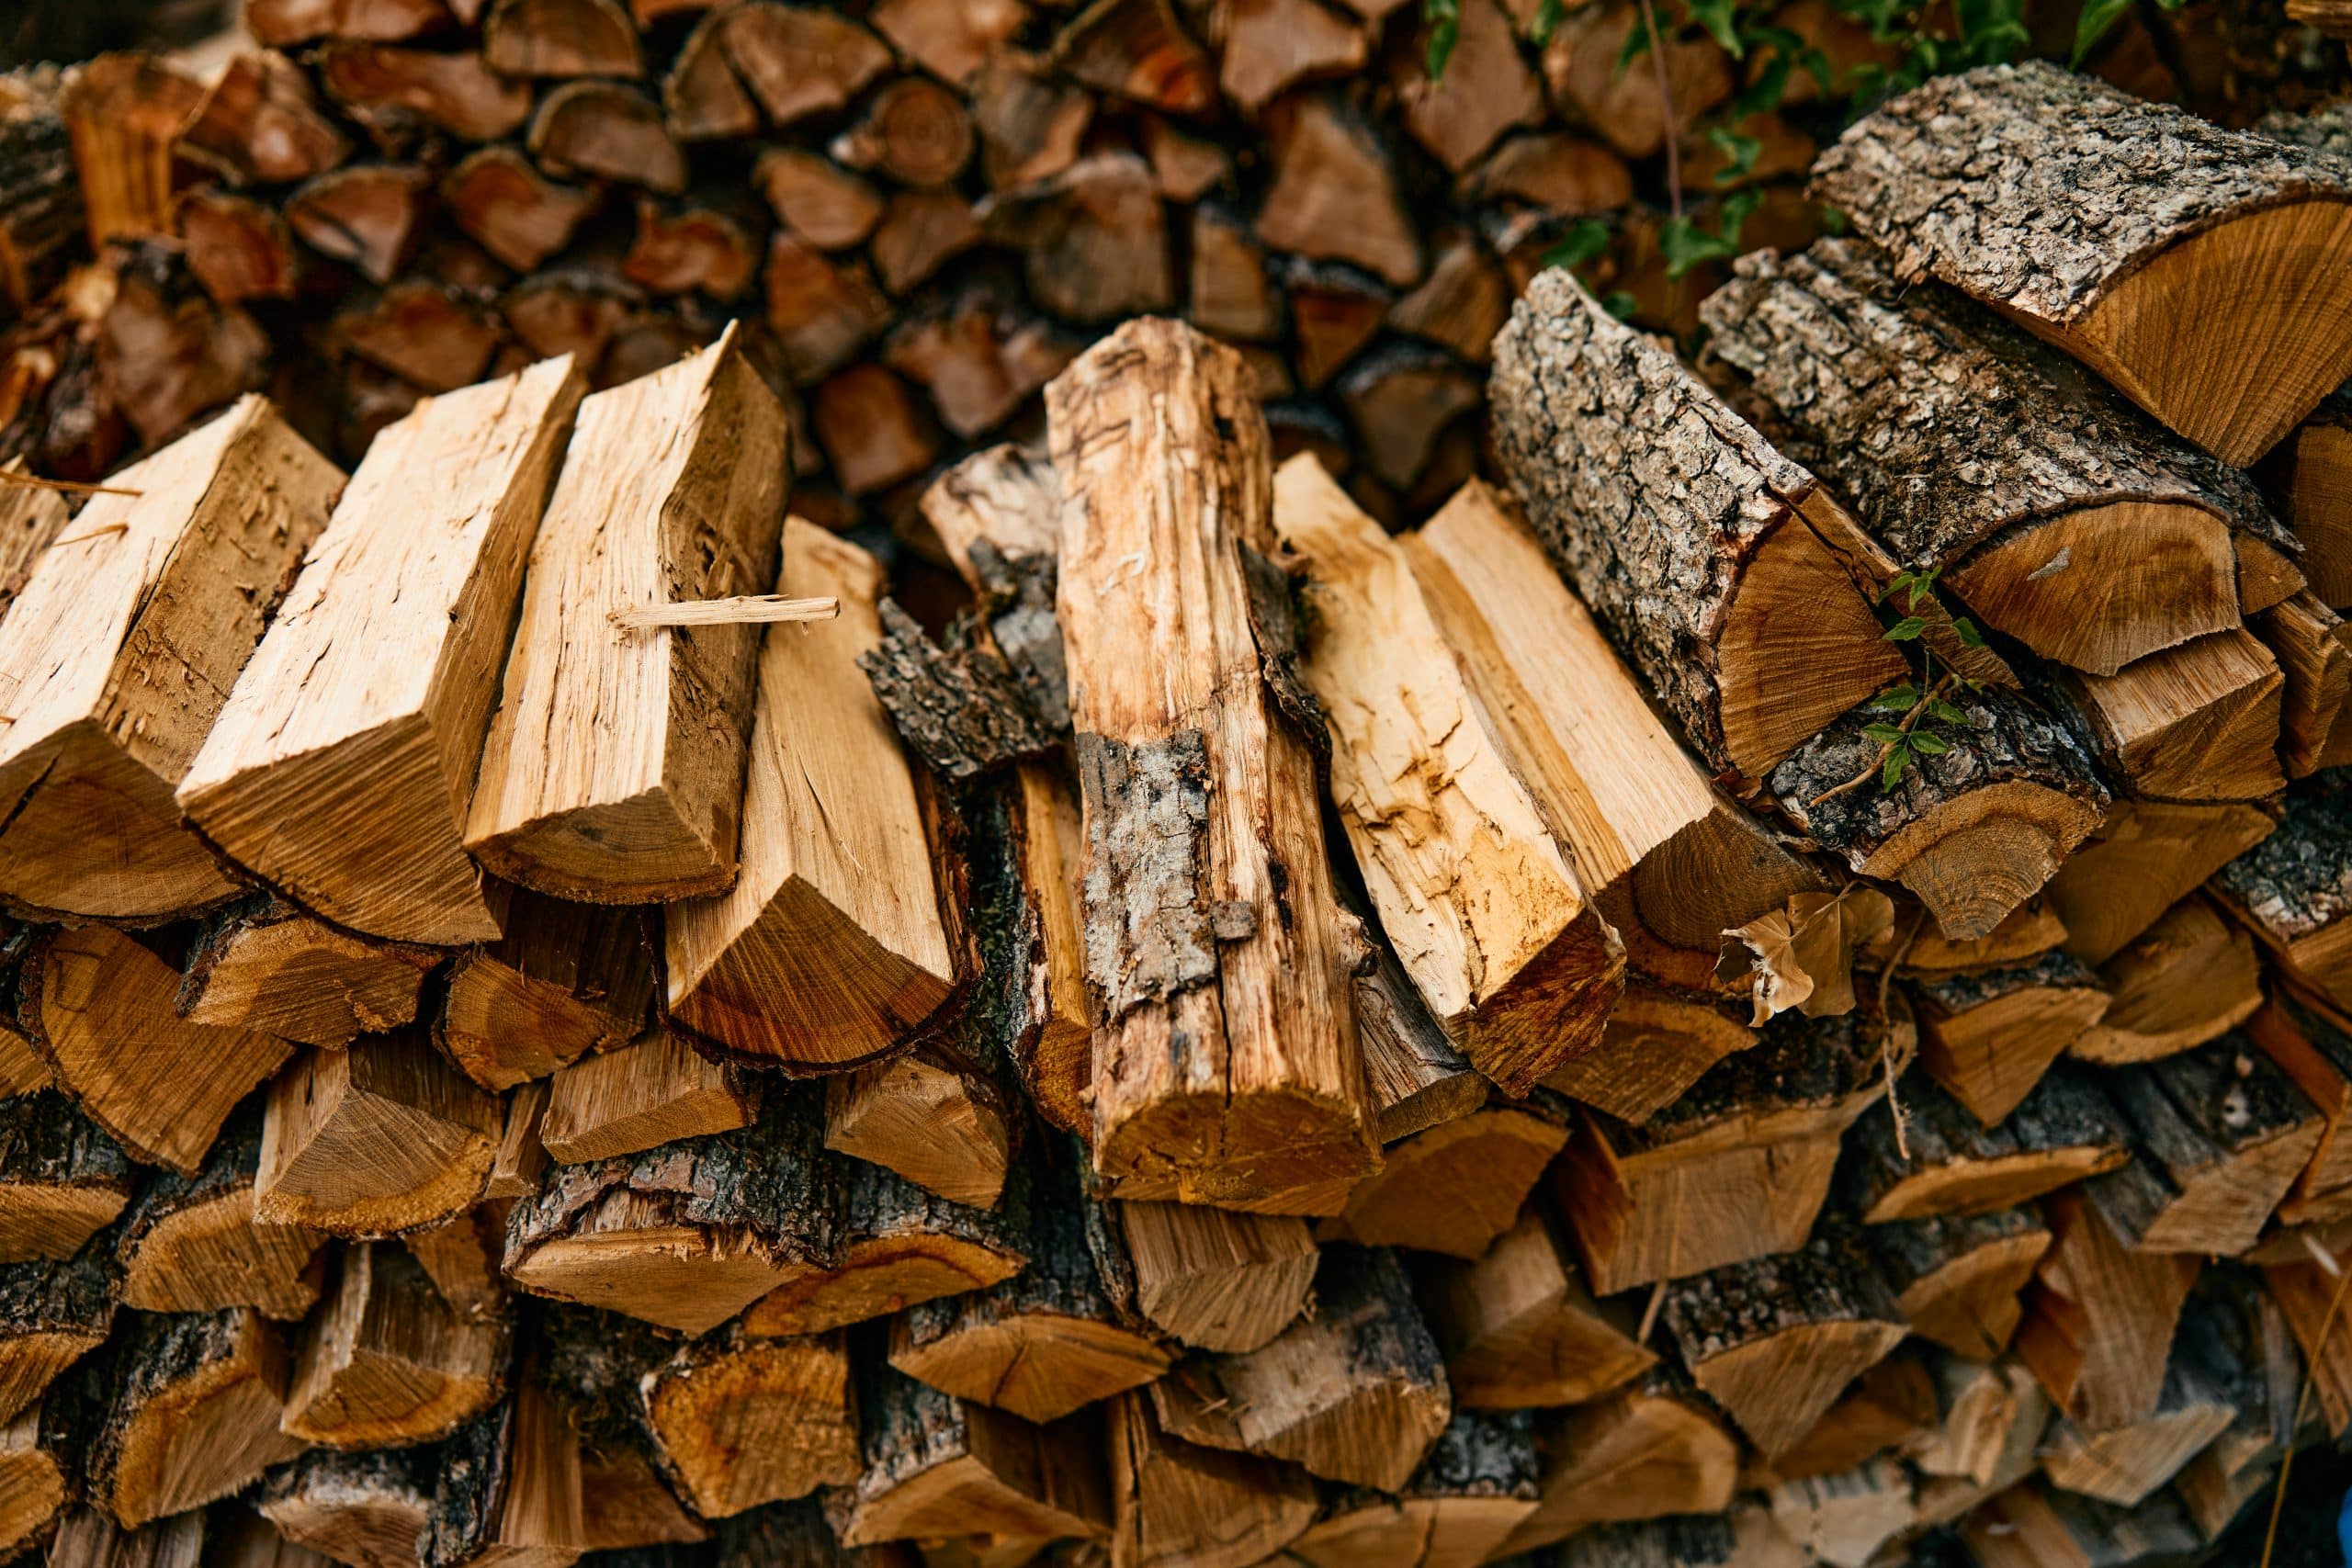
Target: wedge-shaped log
(98, 1004)
(828, 951)
(1649, 1452)
(653, 1091)
(2250, 1352)
(2126, 1464)
(62, 1177)
(1974, 831)
(2223, 1133)
(1987, 1440)
(1480, 900)
(1734, 1169)
(1989, 1038)
(1051, 1339)
(2098, 1324)
(1520, 1330)
(364, 1508)
(1215, 1278)
(613, 769)
(2316, 1053)
(2197, 722)
(339, 767)
(379, 1138)
(2308, 476)
(1947, 1162)
(388, 1361)
(510, 1493)
(192, 1413)
(262, 964)
(40, 1470)
(738, 1421)
(936, 1466)
(2147, 857)
(51, 1314)
(565, 980)
(2039, 1526)
(1227, 1065)
(1956, 1279)
(1181, 1502)
(593, 1367)
(2119, 274)
(2313, 647)
(2188, 978)
(1736, 615)
(1775, 1341)
(2062, 516)
(2293, 890)
(1476, 1487)
(1658, 1044)
(1456, 1186)
(1418, 1079)
(520, 1166)
(191, 1243)
(1892, 1403)
(114, 654)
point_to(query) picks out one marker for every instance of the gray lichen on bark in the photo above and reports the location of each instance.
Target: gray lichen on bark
(2004, 740)
(1646, 491)
(2037, 189)
(1148, 920)
(1943, 425)
(2299, 880)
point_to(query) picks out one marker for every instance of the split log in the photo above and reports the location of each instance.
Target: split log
(262, 966)
(1179, 1111)
(694, 247)
(86, 1534)
(2086, 531)
(1987, 1440)
(1656, 1045)
(1335, 195)
(1456, 1186)
(801, 61)
(166, 353)
(1652, 1452)
(1335, 310)
(361, 1508)
(1175, 1501)
(183, 566)
(2111, 280)
(1092, 238)
(2307, 481)
(519, 1167)
(124, 111)
(509, 1491)
(509, 209)
(639, 1096)
(2317, 1054)
(39, 1469)
(1213, 1279)
(237, 248)
(1136, 49)
(2199, 722)
(367, 216)
(2293, 889)
(2098, 1324)
(2312, 646)
(979, 358)
(2126, 1464)
(461, 92)
(2032, 929)
(1893, 1403)
(1736, 1168)
(561, 38)
(607, 130)
(829, 952)
(1519, 1330)
(2250, 1353)
(96, 1004)
(594, 1369)
(383, 1138)
(424, 333)
(1231, 294)
(1956, 1279)
(1972, 830)
(950, 39)
(739, 1421)
(1764, 647)
(1029, 123)
(1354, 1394)
(460, 1256)
(2189, 978)
(935, 1466)
(62, 1179)
(194, 1408)
(1049, 1339)
(913, 130)
(191, 1243)
(1989, 1038)
(2145, 859)
(613, 770)
(921, 232)
(1481, 904)
(2223, 1133)
(325, 778)
(1418, 1079)
(566, 979)
(1476, 1487)
(2304, 1292)
(41, 234)
(1944, 1160)
(1462, 302)
(1775, 1341)
(1403, 399)
(388, 1363)
(52, 1314)
(825, 204)
(874, 429)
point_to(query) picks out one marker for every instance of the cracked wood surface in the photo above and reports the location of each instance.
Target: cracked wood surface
(1226, 1062)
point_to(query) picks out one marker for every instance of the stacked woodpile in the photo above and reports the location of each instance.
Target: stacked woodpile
(928, 206)
(1774, 989)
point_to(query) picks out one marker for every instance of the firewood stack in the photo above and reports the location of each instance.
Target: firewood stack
(1774, 988)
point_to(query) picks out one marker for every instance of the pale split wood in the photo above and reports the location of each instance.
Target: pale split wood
(1175, 1500)
(2188, 978)
(339, 766)
(1453, 1187)
(2312, 646)
(2099, 1320)
(829, 950)
(1215, 1279)
(388, 1361)
(638, 1096)
(614, 768)
(116, 655)
(567, 978)
(1519, 1329)
(2198, 722)
(1647, 1452)
(379, 1138)
(261, 964)
(2146, 858)
(195, 1414)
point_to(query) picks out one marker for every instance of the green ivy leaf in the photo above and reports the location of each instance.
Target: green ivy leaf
(1620, 304)
(1907, 629)
(1547, 22)
(1717, 17)
(1885, 734)
(1445, 19)
(1891, 773)
(1900, 700)
(1940, 709)
(1966, 629)
(2099, 18)
(1741, 150)
(1636, 44)
(1929, 745)
(1581, 244)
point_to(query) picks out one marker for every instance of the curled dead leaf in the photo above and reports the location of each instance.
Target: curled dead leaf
(1802, 956)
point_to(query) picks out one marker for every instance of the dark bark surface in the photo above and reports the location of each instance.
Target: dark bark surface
(73, 1295)
(1943, 425)
(1958, 993)
(1046, 1217)
(2299, 880)
(1829, 1280)
(2065, 1110)
(2203, 1106)
(1150, 929)
(2326, 130)
(781, 1535)
(157, 1352)
(1647, 492)
(2006, 739)
(959, 708)
(469, 1493)
(46, 1142)
(904, 1428)
(230, 1166)
(2037, 189)
(1910, 1250)
(1799, 1062)
(1481, 1453)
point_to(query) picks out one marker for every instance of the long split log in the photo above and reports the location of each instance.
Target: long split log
(192, 1243)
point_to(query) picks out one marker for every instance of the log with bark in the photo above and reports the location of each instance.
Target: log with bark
(1651, 1451)
(1943, 1160)
(52, 1314)
(260, 964)
(1176, 1500)
(1454, 1187)
(936, 1466)
(2099, 1319)
(2135, 277)
(2293, 889)
(1956, 1281)
(62, 1179)
(1989, 1038)
(382, 1138)
(2145, 859)
(364, 1508)
(565, 980)
(388, 1361)
(1519, 1329)
(2186, 979)
(192, 1410)
(193, 1243)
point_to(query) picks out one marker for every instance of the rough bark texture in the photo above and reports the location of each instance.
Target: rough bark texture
(2036, 189)
(2298, 881)
(1941, 424)
(1949, 1163)
(47, 1144)
(962, 709)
